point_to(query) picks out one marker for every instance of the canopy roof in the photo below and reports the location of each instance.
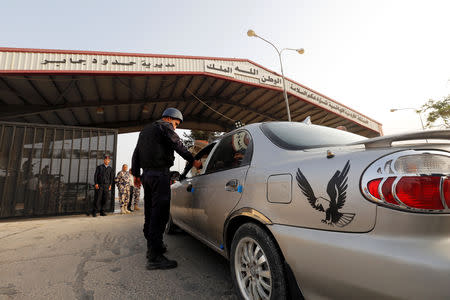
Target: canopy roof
(127, 91)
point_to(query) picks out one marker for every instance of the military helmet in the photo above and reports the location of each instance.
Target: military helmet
(173, 113)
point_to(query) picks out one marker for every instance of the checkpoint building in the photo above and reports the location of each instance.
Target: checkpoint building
(60, 111)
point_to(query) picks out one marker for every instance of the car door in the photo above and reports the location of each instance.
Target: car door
(183, 191)
(181, 202)
(219, 189)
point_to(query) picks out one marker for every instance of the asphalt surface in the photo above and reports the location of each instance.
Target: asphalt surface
(80, 257)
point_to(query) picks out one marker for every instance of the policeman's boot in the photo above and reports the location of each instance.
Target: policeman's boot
(159, 261)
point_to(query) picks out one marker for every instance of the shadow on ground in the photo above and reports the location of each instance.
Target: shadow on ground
(79, 257)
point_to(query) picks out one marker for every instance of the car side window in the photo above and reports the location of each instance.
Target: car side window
(235, 150)
(203, 157)
(194, 171)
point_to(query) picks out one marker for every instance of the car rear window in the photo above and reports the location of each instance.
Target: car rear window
(298, 136)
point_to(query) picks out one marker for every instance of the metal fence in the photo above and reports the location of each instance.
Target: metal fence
(49, 170)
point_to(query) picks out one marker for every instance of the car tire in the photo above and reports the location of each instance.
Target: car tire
(261, 272)
(170, 226)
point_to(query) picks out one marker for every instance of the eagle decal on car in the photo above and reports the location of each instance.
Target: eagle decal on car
(337, 193)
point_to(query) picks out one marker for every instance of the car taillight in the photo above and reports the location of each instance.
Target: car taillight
(373, 188)
(446, 191)
(420, 192)
(387, 191)
(414, 180)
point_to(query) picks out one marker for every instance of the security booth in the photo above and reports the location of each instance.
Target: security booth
(49, 170)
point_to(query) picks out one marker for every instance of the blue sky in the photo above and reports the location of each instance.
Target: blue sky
(369, 55)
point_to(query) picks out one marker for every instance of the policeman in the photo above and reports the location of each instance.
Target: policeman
(154, 153)
(123, 184)
(103, 179)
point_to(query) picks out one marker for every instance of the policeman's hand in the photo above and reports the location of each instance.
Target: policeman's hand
(197, 164)
(109, 187)
(96, 186)
(137, 182)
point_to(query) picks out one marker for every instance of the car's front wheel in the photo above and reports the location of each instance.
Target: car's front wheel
(256, 264)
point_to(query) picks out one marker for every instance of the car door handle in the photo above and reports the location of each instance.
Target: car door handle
(232, 185)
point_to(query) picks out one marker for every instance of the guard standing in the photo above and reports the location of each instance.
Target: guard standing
(154, 153)
(135, 194)
(123, 185)
(103, 179)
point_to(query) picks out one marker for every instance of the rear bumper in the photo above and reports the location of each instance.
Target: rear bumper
(335, 265)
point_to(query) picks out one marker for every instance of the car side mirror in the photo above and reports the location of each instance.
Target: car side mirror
(175, 175)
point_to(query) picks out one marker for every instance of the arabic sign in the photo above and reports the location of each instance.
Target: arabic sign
(328, 104)
(239, 70)
(244, 71)
(90, 62)
(144, 63)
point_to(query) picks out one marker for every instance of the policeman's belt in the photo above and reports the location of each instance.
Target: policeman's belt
(162, 170)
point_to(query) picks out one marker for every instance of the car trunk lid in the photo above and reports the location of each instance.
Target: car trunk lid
(386, 141)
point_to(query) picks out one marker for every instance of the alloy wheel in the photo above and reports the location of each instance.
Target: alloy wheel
(252, 270)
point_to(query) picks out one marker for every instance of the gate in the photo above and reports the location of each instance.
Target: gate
(49, 170)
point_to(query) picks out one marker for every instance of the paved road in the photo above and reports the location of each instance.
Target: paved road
(79, 257)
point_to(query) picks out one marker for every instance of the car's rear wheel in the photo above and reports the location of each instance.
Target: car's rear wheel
(256, 264)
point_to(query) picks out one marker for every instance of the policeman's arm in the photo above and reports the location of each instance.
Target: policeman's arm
(135, 163)
(95, 175)
(178, 146)
(111, 178)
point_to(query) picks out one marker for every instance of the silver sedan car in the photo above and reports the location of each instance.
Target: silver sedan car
(305, 211)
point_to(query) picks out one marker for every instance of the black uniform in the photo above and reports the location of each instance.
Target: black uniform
(154, 153)
(104, 177)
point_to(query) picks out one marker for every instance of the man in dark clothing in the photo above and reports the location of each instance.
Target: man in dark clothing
(103, 179)
(154, 153)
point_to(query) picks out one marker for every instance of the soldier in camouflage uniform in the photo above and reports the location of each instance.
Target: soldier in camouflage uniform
(136, 197)
(123, 184)
(135, 194)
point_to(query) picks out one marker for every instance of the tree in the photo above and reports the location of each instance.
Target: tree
(437, 110)
(209, 136)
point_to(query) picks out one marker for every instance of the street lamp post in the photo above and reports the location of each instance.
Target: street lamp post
(251, 33)
(410, 108)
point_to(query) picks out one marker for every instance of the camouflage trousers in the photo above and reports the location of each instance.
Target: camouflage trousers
(136, 195)
(124, 195)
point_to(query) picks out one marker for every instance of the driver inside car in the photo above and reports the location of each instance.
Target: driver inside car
(239, 144)
(194, 170)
